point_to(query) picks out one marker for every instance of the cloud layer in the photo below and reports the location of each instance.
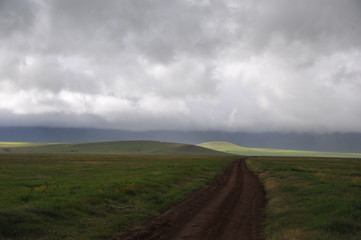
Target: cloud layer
(264, 65)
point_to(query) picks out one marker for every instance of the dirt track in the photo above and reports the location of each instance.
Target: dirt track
(229, 208)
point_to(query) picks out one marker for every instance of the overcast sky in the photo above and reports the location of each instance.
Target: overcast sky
(250, 65)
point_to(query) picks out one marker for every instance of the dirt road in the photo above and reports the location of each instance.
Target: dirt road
(229, 208)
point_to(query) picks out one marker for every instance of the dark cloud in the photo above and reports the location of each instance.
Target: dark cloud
(16, 16)
(248, 65)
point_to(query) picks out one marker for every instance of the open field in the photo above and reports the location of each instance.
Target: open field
(92, 196)
(245, 151)
(85, 196)
(117, 147)
(227, 208)
(311, 198)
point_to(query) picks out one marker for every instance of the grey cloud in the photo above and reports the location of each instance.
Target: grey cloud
(16, 16)
(232, 65)
(325, 25)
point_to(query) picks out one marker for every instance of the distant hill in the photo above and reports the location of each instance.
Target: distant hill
(244, 151)
(116, 147)
(324, 142)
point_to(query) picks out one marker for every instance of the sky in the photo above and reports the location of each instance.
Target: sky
(223, 65)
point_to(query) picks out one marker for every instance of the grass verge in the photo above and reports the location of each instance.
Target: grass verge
(310, 198)
(85, 196)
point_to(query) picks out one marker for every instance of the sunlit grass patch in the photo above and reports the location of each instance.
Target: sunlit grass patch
(246, 151)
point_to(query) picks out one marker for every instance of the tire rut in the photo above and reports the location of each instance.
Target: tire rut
(231, 208)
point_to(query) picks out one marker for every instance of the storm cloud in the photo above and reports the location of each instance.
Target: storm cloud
(251, 65)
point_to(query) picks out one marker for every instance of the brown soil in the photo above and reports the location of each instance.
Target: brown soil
(229, 208)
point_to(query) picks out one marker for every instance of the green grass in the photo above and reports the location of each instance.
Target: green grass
(19, 144)
(244, 151)
(70, 195)
(317, 197)
(311, 198)
(117, 147)
(92, 196)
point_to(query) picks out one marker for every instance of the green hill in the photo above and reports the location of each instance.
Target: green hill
(117, 147)
(235, 149)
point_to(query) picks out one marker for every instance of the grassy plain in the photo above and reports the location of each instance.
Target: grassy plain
(310, 195)
(70, 195)
(116, 147)
(245, 151)
(92, 196)
(311, 198)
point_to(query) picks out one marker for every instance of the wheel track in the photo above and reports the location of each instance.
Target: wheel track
(231, 208)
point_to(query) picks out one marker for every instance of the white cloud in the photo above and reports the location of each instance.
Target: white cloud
(260, 65)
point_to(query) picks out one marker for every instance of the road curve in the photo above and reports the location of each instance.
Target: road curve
(231, 208)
